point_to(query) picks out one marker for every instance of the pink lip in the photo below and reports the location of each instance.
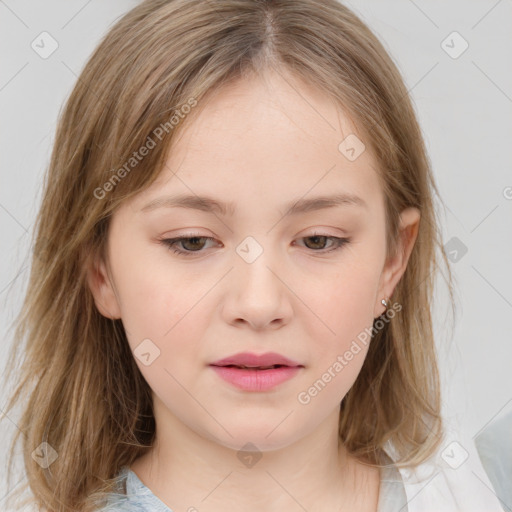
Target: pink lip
(256, 380)
(250, 359)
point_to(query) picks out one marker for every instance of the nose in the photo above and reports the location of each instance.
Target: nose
(257, 295)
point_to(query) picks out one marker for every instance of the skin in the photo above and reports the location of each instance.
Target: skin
(260, 144)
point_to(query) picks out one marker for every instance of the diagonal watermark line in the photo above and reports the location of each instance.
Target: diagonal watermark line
(502, 296)
(12, 280)
(436, 266)
(179, 178)
(492, 81)
(5, 415)
(14, 76)
(199, 403)
(3, 3)
(310, 189)
(293, 497)
(13, 218)
(484, 218)
(428, 72)
(11, 490)
(76, 14)
(224, 479)
(491, 490)
(280, 423)
(198, 301)
(425, 14)
(483, 428)
(312, 107)
(301, 300)
(485, 15)
(406, 94)
(456, 218)
(175, 174)
(421, 490)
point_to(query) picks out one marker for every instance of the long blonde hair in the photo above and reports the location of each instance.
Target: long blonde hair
(81, 390)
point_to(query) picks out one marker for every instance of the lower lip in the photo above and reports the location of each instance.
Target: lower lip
(256, 380)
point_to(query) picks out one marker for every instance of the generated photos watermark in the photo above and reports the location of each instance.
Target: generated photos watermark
(304, 397)
(149, 144)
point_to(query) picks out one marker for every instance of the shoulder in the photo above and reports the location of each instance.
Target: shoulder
(494, 446)
(452, 479)
(122, 499)
(133, 496)
(123, 506)
(123, 503)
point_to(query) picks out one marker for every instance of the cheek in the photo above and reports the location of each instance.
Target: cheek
(343, 301)
(157, 304)
(164, 331)
(355, 303)
(355, 290)
(342, 339)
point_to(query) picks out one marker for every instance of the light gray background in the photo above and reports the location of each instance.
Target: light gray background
(464, 106)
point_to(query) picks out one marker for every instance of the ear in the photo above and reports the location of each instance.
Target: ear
(102, 288)
(397, 263)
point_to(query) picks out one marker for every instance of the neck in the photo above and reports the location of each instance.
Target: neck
(187, 471)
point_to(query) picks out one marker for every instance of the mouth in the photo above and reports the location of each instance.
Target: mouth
(256, 378)
(249, 360)
(243, 367)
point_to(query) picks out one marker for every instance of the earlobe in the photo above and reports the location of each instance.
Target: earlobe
(102, 289)
(396, 265)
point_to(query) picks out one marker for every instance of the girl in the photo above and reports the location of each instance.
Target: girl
(236, 251)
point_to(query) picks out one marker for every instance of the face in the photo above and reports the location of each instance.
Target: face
(194, 284)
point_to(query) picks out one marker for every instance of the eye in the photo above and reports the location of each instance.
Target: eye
(318, 239)
(195, 244)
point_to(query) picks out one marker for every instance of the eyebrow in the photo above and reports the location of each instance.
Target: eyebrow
(211, 205)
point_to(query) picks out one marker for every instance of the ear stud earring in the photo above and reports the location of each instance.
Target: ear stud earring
(384, 302)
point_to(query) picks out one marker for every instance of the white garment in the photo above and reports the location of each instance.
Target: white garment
(452, 480)
(494, 446)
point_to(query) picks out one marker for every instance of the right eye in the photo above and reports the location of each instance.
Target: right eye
(195, 242)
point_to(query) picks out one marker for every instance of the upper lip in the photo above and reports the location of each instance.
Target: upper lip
(255, 360)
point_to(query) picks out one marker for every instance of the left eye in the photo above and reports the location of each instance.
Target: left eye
(196, 243)
(337, 242)
(173, 242)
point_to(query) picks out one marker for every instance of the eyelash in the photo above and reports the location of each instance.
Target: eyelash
(339, 243)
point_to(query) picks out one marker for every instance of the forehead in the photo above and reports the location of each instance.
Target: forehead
(273, 137)
(268, 105)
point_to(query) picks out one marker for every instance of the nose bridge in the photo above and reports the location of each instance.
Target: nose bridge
(256, 293)
(253, 266)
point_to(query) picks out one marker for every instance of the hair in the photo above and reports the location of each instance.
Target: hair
(81, 390)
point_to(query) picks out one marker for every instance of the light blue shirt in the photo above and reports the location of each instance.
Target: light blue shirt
(139, 498)
(483, 482)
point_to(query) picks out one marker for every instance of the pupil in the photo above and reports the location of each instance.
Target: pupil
(193, 240)
(316, 238)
